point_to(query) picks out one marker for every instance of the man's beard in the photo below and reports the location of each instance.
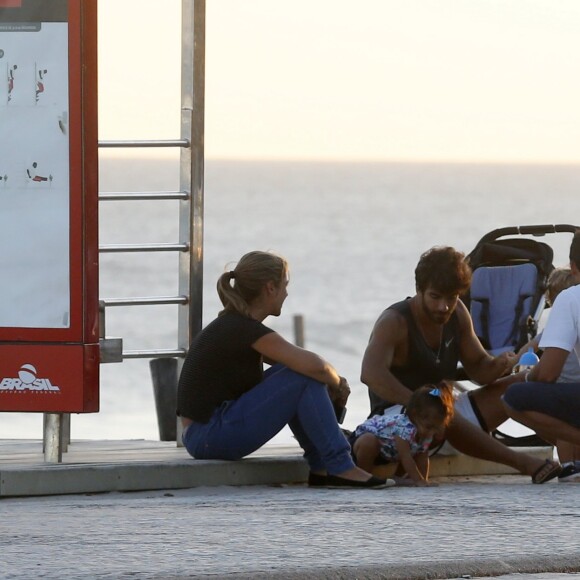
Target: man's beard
(434, 316)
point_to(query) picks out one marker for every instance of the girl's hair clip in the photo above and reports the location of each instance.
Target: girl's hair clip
(435, 392)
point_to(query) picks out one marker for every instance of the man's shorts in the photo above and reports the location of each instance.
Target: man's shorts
(467, 408)
(558, 400)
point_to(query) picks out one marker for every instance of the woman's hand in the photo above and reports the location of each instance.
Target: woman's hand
(339, 394)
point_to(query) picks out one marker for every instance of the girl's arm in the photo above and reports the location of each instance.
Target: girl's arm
(408, 461)
(422, 461)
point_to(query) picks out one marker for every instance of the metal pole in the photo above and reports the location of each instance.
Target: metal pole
(299, 330)
(191, 172)
(53, 434)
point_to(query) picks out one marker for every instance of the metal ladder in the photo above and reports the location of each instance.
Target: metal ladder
(56, 429)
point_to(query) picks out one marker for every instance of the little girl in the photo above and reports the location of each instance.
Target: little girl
(405, 438)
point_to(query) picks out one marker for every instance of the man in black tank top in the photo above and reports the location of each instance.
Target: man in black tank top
(423, 364)
(420, 341)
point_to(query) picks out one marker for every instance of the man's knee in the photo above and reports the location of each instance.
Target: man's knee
(489, 394)
(515, 397)
(460, 427)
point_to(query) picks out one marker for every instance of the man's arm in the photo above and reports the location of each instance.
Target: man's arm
(388, 333)
(534, 344)
(479, 365)
(550, 366)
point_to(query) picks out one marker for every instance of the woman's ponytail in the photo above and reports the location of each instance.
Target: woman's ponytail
(239, 287)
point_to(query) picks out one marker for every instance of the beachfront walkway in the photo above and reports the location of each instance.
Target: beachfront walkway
(467, 526)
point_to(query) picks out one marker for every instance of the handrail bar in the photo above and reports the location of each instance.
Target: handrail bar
(144, 196)
(159, 353)
(146, 143)
(119, 248)
(144, 300)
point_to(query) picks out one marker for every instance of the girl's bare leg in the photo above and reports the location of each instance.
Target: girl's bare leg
(366, 449)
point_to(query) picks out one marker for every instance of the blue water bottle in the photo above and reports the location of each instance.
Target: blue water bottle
(528, 360)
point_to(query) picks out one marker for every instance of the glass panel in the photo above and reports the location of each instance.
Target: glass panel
(34, 167)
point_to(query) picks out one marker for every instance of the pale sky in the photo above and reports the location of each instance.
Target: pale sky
(441, 80)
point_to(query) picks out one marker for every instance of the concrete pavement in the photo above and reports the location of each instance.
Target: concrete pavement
(468, 526)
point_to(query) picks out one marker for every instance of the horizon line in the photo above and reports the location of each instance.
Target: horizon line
(167, 156)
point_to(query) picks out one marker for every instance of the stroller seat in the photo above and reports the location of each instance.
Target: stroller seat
(506, 298)
(502, 301)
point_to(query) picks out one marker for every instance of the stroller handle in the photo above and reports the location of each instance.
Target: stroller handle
(538, 230)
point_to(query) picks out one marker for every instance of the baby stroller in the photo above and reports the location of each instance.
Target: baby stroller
(507, 294)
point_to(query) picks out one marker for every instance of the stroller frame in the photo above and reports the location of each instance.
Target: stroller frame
(526, 264)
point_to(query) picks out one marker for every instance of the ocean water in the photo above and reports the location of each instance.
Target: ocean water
(352, 233)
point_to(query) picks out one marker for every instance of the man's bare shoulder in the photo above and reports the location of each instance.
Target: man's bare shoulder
(463, 317)
(390, 322)
(461, 309)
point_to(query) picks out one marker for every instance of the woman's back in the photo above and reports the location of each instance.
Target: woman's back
(220, 366)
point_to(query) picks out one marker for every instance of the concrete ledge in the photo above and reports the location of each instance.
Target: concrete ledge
(459, 465)
(104, 466)
(96, 478)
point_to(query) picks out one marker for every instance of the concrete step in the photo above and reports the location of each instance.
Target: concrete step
(138, 465)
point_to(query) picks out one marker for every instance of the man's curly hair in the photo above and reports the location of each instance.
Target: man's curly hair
(444, 269)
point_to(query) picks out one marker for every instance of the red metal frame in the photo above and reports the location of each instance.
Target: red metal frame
(67, 358)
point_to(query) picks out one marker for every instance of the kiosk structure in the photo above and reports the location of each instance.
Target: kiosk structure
(49, 336)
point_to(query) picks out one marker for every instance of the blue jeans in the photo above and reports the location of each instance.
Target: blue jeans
(237, 428)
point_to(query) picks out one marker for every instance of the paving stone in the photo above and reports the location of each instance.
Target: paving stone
(464, 527)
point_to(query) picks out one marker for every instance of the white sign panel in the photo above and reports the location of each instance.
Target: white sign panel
(34, 175)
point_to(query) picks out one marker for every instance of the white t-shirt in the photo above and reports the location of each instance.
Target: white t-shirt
(563, 327)
(570, 371)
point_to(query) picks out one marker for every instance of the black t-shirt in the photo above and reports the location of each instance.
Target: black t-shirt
(424, 365)
(221, 365)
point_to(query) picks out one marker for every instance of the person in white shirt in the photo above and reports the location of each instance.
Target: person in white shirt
(568, 453)
(550, 408)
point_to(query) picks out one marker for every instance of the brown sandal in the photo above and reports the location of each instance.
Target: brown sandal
(548, 470)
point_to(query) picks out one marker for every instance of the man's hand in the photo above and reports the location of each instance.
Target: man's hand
(506, 362)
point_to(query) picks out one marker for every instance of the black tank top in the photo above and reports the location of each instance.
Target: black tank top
(424, 364)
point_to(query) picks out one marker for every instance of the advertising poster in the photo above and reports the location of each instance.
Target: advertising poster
(34, 170)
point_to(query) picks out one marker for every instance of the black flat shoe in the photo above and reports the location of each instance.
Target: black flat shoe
(317, 480)
(334, 481)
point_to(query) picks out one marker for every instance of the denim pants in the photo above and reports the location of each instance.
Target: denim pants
(237, 428)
